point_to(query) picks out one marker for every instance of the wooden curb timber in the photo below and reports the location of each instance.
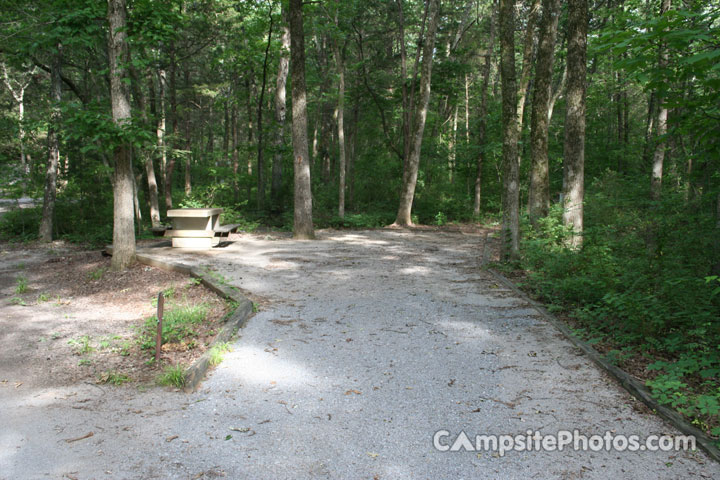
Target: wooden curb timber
(635, 387)
(195, 373)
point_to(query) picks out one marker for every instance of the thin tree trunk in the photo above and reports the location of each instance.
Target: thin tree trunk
(661, 125)
(235, 153)
(260, 152)
(482, 121)
(48, 211)
(170, 166)
(18, 94)
(558, 93)
(188, 135)
(467, 109)
(250, 135)
(142, 106)
(340, 65)
(118, 54)
(280, 114)
(410, 173)
(452, 153)
(574, 148)
(303, 223)
(160, 130)
(510, 247)
(539, 193)
(524, 80)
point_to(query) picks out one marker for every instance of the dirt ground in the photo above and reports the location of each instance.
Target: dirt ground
(75, 320)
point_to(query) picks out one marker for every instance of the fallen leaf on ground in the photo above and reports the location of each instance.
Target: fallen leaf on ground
(372, 454)
(356, 392)
(171, 438)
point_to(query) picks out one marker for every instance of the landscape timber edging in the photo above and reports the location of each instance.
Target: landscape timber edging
(195, 373)
(635, 387)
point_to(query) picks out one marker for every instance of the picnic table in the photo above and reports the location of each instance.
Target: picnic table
(197, 227)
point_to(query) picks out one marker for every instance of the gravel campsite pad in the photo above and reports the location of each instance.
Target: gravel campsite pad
(370, 342)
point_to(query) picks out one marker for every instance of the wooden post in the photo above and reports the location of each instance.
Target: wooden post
(158, 338)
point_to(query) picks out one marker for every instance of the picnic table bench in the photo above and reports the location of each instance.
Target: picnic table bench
(197, 227)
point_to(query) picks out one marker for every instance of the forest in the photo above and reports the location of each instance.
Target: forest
(587, 131)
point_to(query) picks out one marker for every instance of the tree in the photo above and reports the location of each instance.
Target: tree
(511, 133)
(280, 113)
(539, 192)
(410, 171)
(119, 57)
(661, 122)
(18, 93)
(574, 145)
(51, 174)
(482, 121)
(303, 223)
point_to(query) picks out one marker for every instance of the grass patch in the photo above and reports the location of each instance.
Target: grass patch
(217, 353)
(21, 284)
(81, 345)
(179, 324)
(172, 376)
(96, 274)
(113, 378)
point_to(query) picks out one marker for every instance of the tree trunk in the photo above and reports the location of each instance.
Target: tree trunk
(510, 247)
(188, 135)
(170, 167)
(260, 152)
(574, 148)
(524, 80)
(18, 94)
(48, 211)
(280, 113)
(235, 153)
(661, 123)
(482, 121)
(142, 106)
(303, 223)
(410, 173)
(340, 64)
(452, 141)
(118, 54)
(539, 194)
(160, 130)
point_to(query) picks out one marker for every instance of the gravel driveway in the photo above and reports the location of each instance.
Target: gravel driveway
(370, 343)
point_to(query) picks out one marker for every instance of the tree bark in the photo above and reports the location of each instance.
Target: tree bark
(18, 93)
(188, 134)
(482, 121)
(142, 106)
(280, 114)
(118, 54)
(51, 174)
(235, 153)
(661, 123)
(340, 65)
(410, 172)
(574, 148)
(303, 223)
(261, 100)
(539, 194)
(170, 166)
(524, 81)
(510, 248)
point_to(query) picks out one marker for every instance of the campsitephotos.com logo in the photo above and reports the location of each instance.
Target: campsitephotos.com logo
(530, 441)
